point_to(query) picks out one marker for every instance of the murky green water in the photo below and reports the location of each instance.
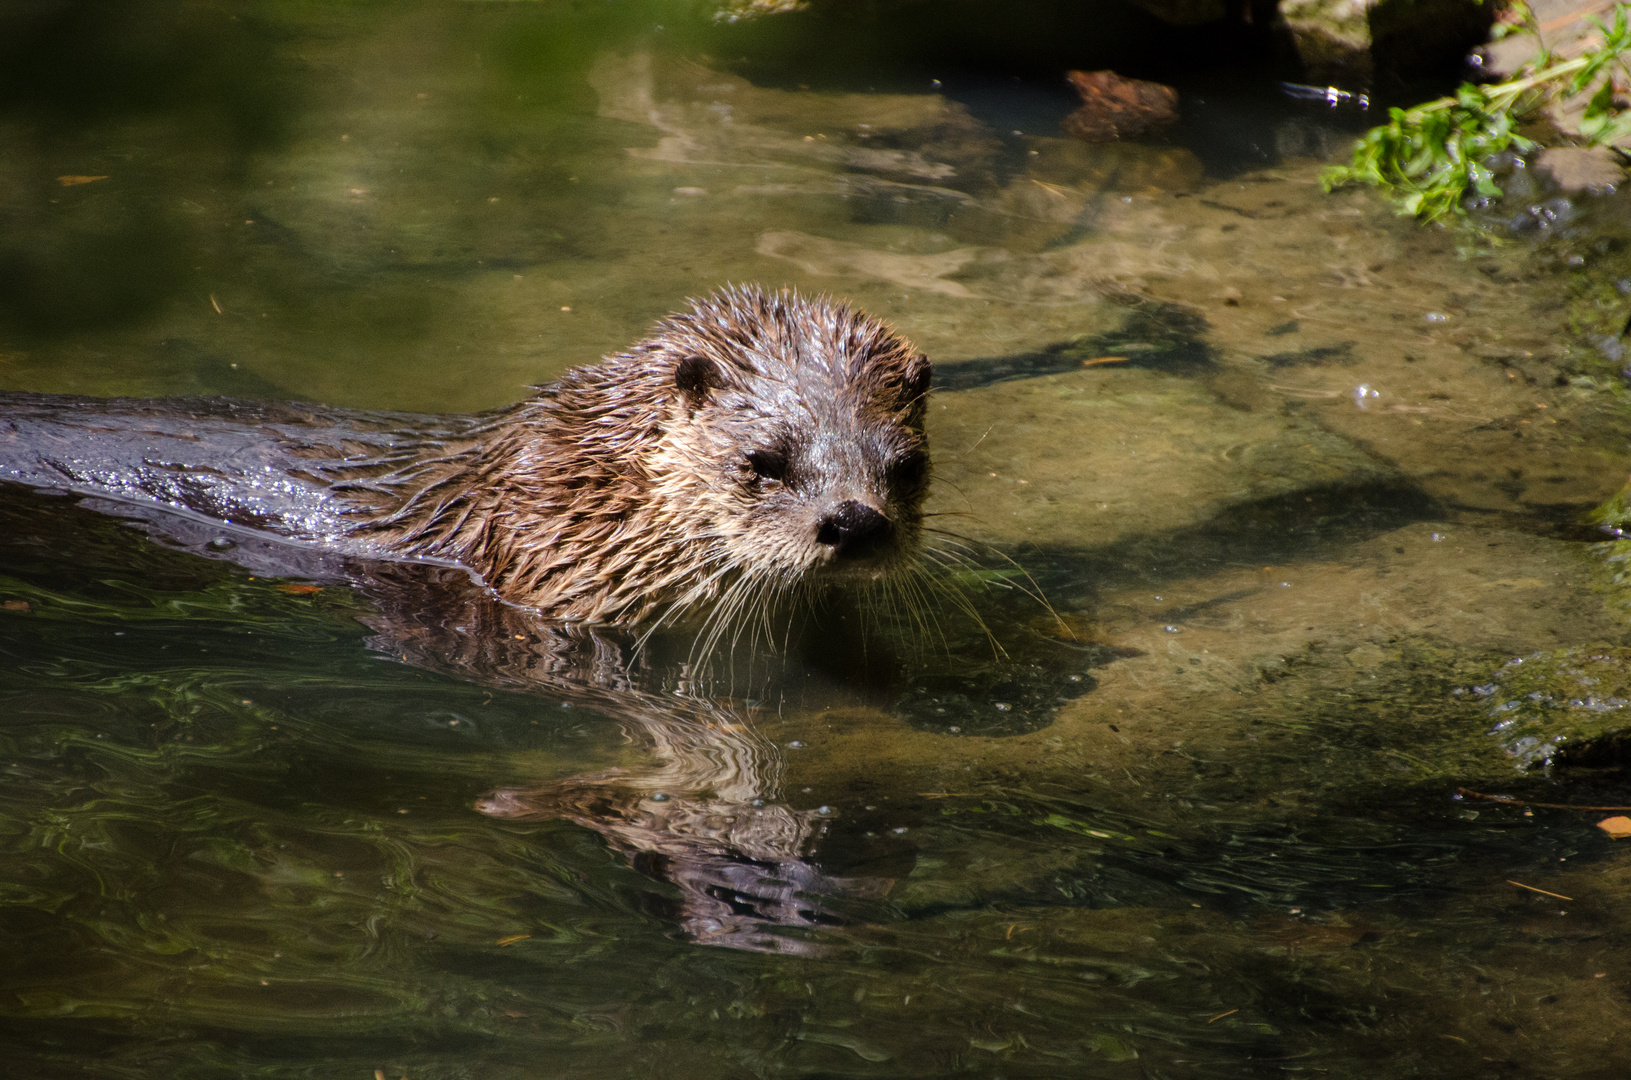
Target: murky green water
(1303, 483)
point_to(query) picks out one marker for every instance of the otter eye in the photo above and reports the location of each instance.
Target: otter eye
(909, 470)
(768, 465)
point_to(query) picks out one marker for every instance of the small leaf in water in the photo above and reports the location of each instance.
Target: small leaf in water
(1060, 821)
(70, 181)
(1112, 1048)
(864, 1051)
(1618, 827)
(300, 590)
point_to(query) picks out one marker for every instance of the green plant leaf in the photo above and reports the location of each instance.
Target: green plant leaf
(1431, 158)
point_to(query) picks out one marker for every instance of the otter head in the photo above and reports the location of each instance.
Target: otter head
(795, 429)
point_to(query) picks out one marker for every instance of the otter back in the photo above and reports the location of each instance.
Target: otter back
(272, 485)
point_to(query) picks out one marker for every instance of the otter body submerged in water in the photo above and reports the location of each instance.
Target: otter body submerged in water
(750, 446)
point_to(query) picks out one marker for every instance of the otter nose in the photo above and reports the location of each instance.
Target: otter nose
(853, 529)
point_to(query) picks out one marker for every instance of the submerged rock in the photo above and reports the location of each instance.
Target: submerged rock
(1577, 169)
(1114, 107)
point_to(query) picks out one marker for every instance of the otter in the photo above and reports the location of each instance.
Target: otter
(754, 446)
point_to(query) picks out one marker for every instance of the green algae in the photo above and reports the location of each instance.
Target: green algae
(1566, 706)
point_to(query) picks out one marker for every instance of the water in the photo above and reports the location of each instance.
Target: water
(1299, 481)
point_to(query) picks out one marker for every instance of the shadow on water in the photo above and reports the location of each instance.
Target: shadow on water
(1154, 336)
(1280, 529)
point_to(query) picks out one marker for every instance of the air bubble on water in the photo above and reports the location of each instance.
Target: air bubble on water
(659, 796)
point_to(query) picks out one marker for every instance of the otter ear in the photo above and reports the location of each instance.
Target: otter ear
(695, 376)
(916, 382)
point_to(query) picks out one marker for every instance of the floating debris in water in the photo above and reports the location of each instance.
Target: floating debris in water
(1330, 95)
(1618, 827)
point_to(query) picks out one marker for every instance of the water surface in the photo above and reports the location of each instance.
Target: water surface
(1299, 480)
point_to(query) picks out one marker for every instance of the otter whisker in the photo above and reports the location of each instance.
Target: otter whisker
(945, 554)
(1034, 591)
(960, 494)
(699, 591)
(723, 610)
(725, 615)
(950, 559)
(927, 619)
(950, 568)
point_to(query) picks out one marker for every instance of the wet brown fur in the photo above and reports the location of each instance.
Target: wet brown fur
(689, 473)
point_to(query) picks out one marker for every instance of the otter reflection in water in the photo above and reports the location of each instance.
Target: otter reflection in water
(752, 451)
(703, 813)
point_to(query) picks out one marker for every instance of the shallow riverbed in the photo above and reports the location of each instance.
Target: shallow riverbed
(1304, 486)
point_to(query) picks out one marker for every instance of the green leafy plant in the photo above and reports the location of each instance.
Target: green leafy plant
(1428, 157)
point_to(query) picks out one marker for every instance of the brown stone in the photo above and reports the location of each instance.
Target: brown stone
(1576, 169)
(1114, 107)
